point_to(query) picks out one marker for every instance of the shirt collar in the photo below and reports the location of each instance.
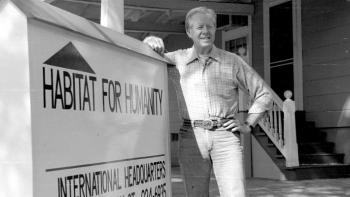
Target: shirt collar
(214, 54)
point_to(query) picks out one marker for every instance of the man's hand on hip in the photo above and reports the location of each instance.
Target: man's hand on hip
(236, 125)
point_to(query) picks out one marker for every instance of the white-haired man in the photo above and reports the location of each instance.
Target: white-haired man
(206, 80)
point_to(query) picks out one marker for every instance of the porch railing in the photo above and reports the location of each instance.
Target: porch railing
(279, 125)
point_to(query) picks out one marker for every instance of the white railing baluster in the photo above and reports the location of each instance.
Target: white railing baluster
(280, 129)
(275, 128)
(271, 123)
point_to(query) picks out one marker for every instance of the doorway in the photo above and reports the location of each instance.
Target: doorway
(283, 48)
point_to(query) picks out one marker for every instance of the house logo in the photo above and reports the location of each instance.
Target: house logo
(68, 81)
(70, 58)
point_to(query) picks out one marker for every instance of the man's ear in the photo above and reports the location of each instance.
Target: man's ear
(188, 33)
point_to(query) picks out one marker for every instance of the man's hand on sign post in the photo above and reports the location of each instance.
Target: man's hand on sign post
(155, 43)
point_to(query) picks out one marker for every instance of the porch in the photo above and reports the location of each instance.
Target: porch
(270, 188)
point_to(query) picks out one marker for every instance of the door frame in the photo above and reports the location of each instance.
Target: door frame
(297, 48)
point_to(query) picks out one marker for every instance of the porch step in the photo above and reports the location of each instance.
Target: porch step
(311, 136)
(318, 171)
(316, 147)
(321, 158)
(310, 148)
(318, 158)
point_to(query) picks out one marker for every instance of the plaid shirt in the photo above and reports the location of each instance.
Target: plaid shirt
(210, 89)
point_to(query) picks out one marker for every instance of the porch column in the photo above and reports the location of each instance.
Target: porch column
(112, 14)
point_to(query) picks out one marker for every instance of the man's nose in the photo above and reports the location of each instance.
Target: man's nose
(205, 29)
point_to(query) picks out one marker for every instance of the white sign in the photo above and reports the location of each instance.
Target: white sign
(99, 118)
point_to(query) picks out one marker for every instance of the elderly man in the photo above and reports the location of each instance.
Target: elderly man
(206, 80)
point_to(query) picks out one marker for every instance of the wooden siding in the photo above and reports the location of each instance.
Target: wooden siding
(323, 71)
(335, 85)
(326, 60)
(331, 119)
(329, 37)
(326, 54)
(328, 102)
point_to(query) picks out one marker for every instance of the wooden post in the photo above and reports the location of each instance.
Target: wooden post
(291, 146)
(112, 14)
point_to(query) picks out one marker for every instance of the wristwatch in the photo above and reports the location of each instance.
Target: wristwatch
(249, 125)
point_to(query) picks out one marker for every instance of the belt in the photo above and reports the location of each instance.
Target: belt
(208, 124)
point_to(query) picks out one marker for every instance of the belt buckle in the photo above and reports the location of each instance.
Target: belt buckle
(208, 124)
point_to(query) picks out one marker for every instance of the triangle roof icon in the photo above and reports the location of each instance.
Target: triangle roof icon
(70, 58)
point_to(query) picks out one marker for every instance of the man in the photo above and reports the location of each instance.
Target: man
(206, 80)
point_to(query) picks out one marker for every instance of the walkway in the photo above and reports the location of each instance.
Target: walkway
(275, 188)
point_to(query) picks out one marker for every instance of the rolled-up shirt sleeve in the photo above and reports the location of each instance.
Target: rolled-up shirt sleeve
(172, 71)
(170, 57)
(250, 82)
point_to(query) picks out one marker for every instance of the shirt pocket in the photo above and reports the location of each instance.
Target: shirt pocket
(223, 86)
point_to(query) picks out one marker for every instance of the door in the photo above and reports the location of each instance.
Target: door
(282, 41)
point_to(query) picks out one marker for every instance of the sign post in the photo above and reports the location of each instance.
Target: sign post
(90, 111)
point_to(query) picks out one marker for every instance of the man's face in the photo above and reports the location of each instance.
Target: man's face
(201, 30)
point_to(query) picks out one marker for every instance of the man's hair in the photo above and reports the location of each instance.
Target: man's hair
(201, 10)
